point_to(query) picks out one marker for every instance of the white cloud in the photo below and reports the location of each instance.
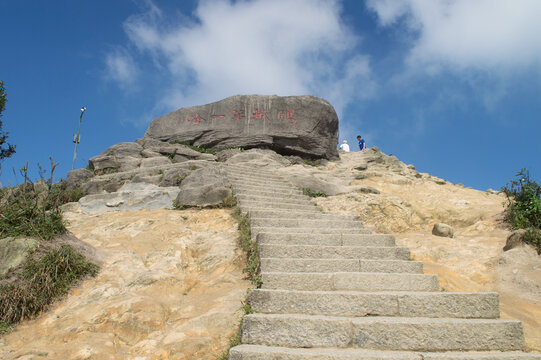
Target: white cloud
(284, 47)
(490, 35)
(121, 68)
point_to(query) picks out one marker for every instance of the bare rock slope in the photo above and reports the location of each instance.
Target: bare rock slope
(170, 287)
(171, 284)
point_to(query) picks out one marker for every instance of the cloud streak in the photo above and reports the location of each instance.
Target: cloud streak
(489, 35)
(121, 68)
(284, 47)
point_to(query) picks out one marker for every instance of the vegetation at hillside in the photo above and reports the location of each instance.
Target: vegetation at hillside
(48, 274)
(524, 207)
(32, 209)
(6, 149)
(249, 247)
(252, 270)
(312, 193)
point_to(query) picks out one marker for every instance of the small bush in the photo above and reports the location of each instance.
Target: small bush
(59, 194)
(311, 193)
(4, 327)
(33, 209)
(524, 207)
(230, 201)
(40, 282)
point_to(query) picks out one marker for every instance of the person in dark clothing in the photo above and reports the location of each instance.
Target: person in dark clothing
(362, 143)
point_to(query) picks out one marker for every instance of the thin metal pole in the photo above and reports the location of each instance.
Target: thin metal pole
(83, 109)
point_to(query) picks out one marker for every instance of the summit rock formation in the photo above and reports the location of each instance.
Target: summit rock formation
(295, 125)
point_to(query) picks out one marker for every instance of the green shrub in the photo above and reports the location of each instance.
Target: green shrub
(59, 194)
(4, 327)
(27, 212)
(533, 237)
(524, 206)
(42, 280)
(311, 193)
(33, 209)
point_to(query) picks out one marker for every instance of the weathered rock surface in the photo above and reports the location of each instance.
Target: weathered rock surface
(441, 229)
(303, 125)
(77, 177)
(514, 239)
(170, 287)
(207, 186)
(13, 252)
(131, 196)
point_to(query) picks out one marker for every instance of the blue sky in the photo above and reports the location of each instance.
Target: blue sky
(451, 86)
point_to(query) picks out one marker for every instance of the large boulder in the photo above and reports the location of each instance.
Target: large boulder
(119, 157)
(205, 186)
(301, 125)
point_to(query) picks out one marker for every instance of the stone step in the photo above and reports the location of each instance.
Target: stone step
(349, 281)
(356, 304)
(334, 252)
(291, 195)
(316, 223)
(260, 352)
(251, 171)
(259, 183)
(256, 178)
(247, 205)
(309, 230)
(274, 199)
(248, 186)
(315, 213)
(327, 239)
(340, 265)
(383, 333)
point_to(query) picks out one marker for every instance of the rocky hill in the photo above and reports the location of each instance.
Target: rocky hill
(171, 284)
(172, 281)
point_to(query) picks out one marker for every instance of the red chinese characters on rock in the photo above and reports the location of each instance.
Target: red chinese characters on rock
(238, 115)
(287, 115)
(196, 119)
(281, 115)
(260, 115)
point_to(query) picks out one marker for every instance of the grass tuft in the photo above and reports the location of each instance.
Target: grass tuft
(41, 281)
(311, 193)
(249, 247)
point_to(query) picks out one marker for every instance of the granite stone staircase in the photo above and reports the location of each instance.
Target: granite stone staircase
(334, 290)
